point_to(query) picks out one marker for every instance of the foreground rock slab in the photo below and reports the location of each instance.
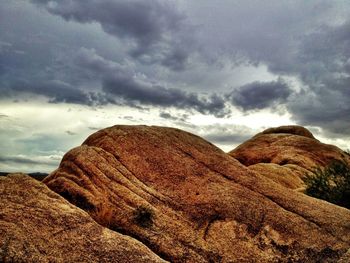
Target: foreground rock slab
(38, 225)
(190, 202)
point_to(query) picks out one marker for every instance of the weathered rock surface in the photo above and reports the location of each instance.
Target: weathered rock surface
(285, 153)
(38, 225)
(190, 202)
(288, 175)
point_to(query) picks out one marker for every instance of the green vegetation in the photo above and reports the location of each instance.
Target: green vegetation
(331, 183)
(144, 216)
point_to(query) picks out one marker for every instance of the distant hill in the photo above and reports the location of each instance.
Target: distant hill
(38, 176)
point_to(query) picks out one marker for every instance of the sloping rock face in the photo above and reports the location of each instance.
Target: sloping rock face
(287, 175)
(190, 202)
(291, 149)
(38, 225)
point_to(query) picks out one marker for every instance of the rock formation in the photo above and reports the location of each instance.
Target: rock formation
(190, 202)
(38, 225)
(286, 154)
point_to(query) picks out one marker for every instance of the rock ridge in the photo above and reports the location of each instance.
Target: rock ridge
(191, 202)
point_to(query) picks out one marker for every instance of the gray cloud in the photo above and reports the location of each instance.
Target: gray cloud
(4, 46)
(309, 41)
(260, 95)
(227, 136)
(154, 26)
(119, 82)
(167, 115)
(27, 163)
(323, 65)
(56, 90)
(312, 43)
(325, 108)
(70, 133)
(131, 90)
(23, 160)
(177, 58)
(156, 58)
(146, 22)
(129, 118)
(42, 143)
(95, 128)
(172, 117)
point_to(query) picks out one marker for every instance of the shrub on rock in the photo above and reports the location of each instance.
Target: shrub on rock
(331, 183)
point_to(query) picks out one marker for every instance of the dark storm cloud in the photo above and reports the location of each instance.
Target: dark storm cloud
(321, 62)
(327, 108)
(151, 49)
(131, 90)
(55, 90)
(120, 82)
(323, 65)
(176, 60)
(98, 65)
(154, 26)
(260, 95)
(144, 21)
(59, 92)
(115, 83)
(307, 40)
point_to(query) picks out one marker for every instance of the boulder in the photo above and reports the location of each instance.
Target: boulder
(188, 201)
(38, 225)
(287, 145)
(289, 129)
(286, 152)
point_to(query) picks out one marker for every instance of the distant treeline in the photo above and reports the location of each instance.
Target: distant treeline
(37, 176)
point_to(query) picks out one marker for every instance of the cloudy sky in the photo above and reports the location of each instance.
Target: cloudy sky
(224, 70)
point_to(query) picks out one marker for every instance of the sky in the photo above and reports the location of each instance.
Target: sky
(224, 70)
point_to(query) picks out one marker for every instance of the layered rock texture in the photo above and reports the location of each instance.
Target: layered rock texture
(188, 201)
(286, 154)
(38, 225)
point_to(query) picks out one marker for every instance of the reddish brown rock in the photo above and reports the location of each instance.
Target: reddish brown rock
(293, 148)
(37, 225)
(190, 202)
(291, 129)
(287, 145)
(288, 175)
